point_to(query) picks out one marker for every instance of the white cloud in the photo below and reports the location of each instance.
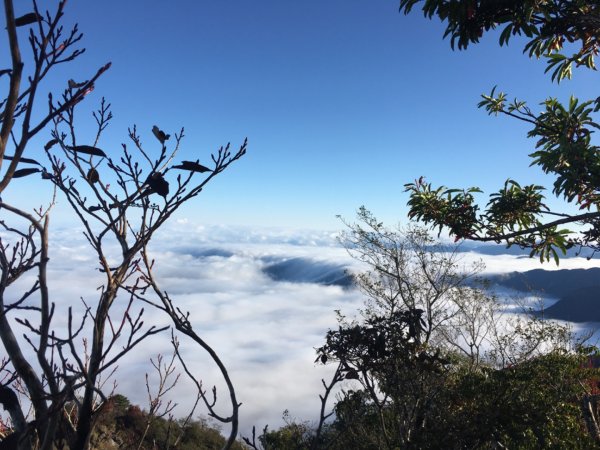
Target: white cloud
(264, 330)
(509, 263)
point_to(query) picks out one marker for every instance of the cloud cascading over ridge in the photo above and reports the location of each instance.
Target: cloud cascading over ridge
(263, 299)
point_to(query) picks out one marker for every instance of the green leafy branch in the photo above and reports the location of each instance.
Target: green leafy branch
(549, 25)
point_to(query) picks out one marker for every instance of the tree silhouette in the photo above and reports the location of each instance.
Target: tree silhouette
(120, 199)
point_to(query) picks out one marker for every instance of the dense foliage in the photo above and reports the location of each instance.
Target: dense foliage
(430, 401)
(549, 25)
(123, 425)
(533, 405)
(518, 213)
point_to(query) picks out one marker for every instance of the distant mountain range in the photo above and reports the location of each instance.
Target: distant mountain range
(500, 249)
(577, 289)
(306, 270)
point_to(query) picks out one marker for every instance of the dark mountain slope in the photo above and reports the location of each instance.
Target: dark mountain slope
(577, 289)
(305, 270)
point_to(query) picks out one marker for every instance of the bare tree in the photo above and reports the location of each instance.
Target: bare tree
(426, 315)
(407, 270)
(471, 328)
(392, 351)
(120, 200)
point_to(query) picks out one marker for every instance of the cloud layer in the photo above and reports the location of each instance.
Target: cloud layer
(263, 299)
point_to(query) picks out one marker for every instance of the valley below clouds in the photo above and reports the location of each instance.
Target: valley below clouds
(262, 299)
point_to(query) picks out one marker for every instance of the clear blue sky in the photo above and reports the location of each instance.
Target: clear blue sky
(343, 101)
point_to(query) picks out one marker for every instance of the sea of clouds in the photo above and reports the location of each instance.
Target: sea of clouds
(263, 299)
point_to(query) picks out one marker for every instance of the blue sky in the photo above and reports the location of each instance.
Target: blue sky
(343, 102)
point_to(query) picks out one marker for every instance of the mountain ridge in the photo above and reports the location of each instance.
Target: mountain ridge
(577, 289)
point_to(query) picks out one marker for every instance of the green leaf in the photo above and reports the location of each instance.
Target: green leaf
(505, 36)
(555, 255)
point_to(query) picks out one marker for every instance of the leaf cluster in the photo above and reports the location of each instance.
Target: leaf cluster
(549, 26)
(361, 348)
(518, 214)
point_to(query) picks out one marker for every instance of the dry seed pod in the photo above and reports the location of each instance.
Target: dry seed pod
(93, 176)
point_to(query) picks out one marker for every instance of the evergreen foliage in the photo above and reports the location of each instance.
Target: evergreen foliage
(518, 214)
